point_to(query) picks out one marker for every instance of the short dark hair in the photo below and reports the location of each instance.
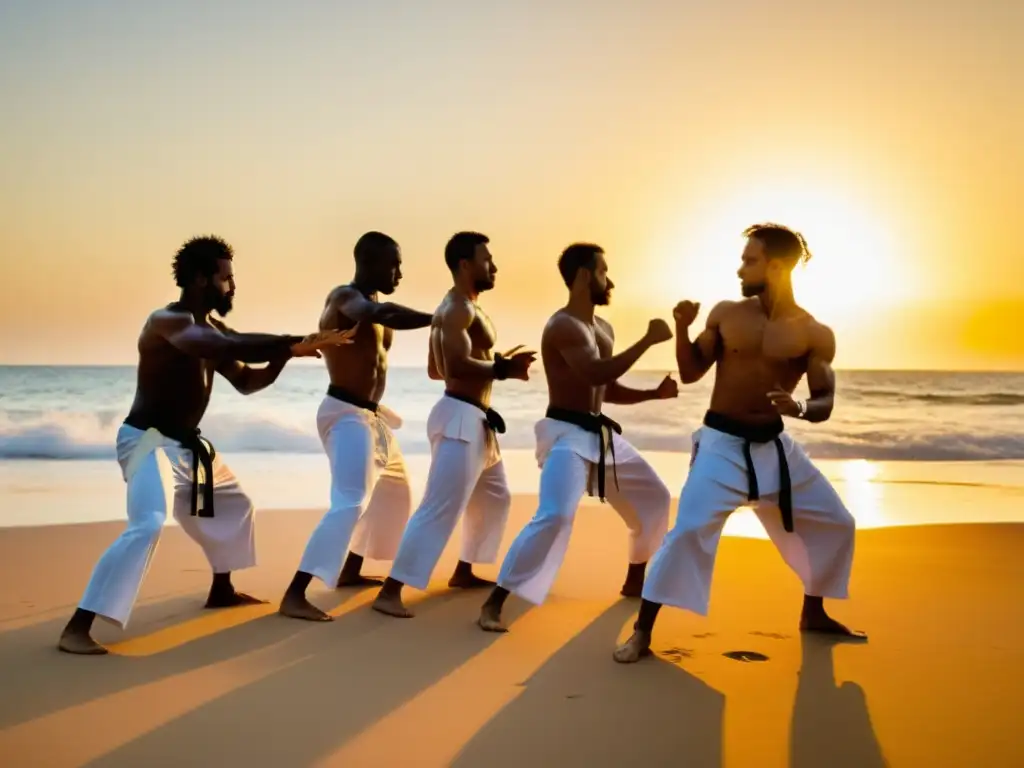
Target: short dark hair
(462, 247)
(371, 245)
(780, 242)
(198, 257)
(576, 257)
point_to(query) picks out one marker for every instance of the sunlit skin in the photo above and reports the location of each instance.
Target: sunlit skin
(181, 347)
(359, 368)
(761, 346)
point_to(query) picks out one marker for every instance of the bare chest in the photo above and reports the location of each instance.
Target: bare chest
(482, 333)
(773, 341)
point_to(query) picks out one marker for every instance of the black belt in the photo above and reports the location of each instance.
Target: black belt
(600, 425)
(202, 453)
(347, 397)
(759, 433)
(494, 421)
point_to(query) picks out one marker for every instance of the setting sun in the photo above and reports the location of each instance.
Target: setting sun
(857, 259)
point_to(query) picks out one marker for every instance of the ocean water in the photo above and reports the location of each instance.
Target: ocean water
(962, 430)
(73, 413)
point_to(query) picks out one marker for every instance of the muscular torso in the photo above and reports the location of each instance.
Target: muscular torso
(565, 388)
(172, 388)
(482, 337)
(360, 368)
(757, 355)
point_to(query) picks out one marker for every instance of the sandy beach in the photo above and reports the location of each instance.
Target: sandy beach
(935, 686)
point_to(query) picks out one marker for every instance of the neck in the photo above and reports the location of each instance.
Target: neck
(581, 306)
(778, 298)
(193, 304)
(462, 288)
(364, 285)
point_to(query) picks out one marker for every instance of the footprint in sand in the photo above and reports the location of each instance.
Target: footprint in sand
(703, 635)
(772, 635)
(745, 656)
(675, 655)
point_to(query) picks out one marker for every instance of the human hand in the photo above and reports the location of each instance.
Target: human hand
(311, 345)
(685, 313)
(667, 389)
(519, 362)
(657, 332)
(784, 402)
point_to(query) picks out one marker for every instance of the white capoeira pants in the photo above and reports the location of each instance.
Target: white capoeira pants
(158, 474)
(370, 494)
(566, 454)
(466, 479)
(819, 549)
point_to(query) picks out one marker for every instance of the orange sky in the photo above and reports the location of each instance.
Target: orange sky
(888, 132)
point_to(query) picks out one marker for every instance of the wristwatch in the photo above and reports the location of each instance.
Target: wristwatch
(801, 408)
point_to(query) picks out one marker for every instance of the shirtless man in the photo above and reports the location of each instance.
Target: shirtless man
(370, 494)
(466, 470)
(761, 347)
(165, 463)
(574, 437)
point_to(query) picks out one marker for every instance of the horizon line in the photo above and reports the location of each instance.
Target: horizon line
(663, 370)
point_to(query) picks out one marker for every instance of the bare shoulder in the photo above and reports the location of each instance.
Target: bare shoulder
(167, 320)
(456, 311)
(605, 326)
(724, 308)
(562, 329)
(821, 339)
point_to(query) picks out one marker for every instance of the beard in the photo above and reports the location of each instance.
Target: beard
(600, 296)
(221, 303)
(483, 284)
(753, 289)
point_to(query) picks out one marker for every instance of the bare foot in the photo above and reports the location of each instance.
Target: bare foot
(231, 600)
(826, 625)
(634, 649)
(357, 580)
(298, 607)
(490, 620)
(81, 644)
(468, 581)
(391, 605)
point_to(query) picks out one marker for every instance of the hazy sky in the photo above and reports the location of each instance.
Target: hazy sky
(888, 132)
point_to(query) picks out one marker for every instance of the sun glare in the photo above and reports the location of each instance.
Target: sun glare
(856, 263)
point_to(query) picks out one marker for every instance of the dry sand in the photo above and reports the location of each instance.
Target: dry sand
(937, 685)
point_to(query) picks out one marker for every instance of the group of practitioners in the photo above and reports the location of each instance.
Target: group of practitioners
(761, 345)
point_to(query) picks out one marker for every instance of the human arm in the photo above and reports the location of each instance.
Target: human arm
(218, 343)
(358, 308)
(619, 394)
(457, 349)
(821, 380)
(579, 349)
(247, 379)
(695, 358)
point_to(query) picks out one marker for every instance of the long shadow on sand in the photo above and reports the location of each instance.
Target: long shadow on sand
(831, 724)
(581, 708)
(337, 688)
(39, 680)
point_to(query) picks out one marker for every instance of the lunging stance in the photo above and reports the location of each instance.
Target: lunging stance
(467, 476)
(166, 464)
(575, 440)
(761, 347)
(370, 494)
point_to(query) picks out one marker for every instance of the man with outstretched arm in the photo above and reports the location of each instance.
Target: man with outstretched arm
(370, 494)
(761, 347)
(574, 440)
(467, 475)
(165, 462)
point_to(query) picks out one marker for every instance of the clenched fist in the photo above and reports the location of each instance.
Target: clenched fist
(685, 313)
(658, 331)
